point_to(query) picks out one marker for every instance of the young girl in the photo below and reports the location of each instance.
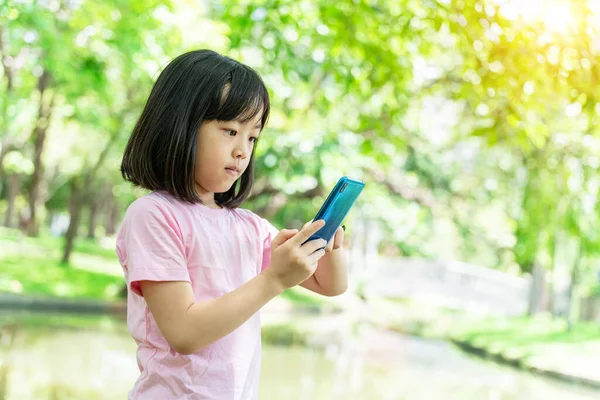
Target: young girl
(198, 268)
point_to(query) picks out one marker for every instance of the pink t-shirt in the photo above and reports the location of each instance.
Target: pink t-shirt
(216, 250)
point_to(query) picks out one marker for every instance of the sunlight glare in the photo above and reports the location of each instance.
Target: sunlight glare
(556, 15)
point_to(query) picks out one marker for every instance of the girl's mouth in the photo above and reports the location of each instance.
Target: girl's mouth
(232, 171)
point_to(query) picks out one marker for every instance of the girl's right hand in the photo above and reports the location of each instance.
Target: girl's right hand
(292, 262)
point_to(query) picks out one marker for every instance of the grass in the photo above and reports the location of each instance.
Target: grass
(52, 244)
(40, 276)
(32, 266)
(542, 342)
(526, 336)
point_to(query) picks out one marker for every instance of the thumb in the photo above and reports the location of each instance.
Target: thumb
(282, 237)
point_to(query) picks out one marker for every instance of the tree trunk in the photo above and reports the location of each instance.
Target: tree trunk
(536, 293)
(112, 217)
(4, 149)
(79, 193)
(39, 137)
(9, 73)
(94, 209)
(573, 284)
(14, 184)
(75, 204)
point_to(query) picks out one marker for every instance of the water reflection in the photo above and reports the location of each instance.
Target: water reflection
(72, 358)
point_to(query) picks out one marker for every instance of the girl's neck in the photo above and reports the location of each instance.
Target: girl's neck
(207, 198)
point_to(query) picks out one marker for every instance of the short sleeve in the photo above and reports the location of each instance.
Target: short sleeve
(151, 246)
(269, 233)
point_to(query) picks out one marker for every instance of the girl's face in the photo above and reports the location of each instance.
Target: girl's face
(223, 153)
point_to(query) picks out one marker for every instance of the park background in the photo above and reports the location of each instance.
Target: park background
(474, 248)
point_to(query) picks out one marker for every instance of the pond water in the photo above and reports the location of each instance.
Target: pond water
(73, 358)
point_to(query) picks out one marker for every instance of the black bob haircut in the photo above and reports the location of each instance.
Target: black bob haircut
(197, 86)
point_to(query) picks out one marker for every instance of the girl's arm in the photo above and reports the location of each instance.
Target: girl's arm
(189, 325)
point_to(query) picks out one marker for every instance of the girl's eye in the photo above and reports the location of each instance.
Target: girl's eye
(253, 139)
(230, 132)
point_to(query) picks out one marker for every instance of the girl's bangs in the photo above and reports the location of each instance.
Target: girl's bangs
(243, 98)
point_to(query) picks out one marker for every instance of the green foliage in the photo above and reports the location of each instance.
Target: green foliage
(475, 130)
(284, 335)
(302, 298)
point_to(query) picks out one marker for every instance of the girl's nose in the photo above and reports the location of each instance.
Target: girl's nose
(240, 151)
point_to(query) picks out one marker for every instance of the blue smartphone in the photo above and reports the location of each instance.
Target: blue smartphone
(336, 207)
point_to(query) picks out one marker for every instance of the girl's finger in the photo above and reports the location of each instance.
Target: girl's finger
(283, 236)
(313, 259)
(329, 246)
(312, 246)
(338, 238)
